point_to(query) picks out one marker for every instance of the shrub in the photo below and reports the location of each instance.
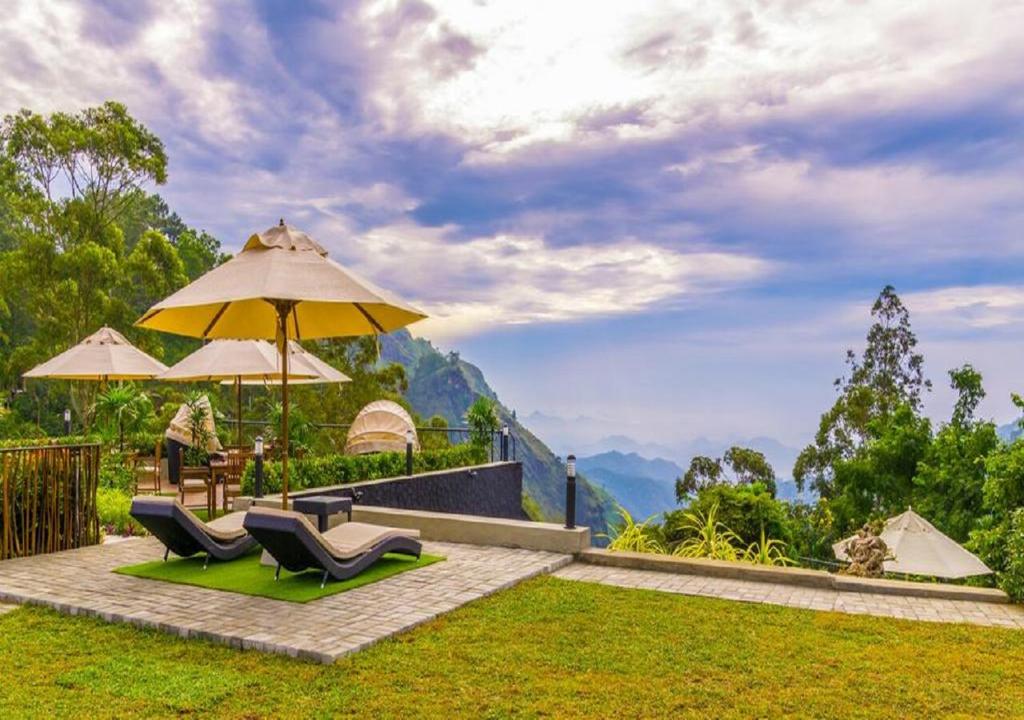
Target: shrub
(112, 507)
(767, 551)
(744, 509)
(631, 537)
(336, 469)
(706, 537)
(116, 473)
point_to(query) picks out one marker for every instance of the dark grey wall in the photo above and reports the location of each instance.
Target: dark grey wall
(494, 490)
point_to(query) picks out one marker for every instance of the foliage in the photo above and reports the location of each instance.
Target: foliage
(125, 408)
(435, 440)
(112, 507)
(705, 537)
(888, 376)
(116, 473)
(199, 433)
(744, 509)
(301, 432)
(767, 551)
(950, 478)
(628, 536)
(811, 529)
(482, 419)
(748, 466)
(336, 469)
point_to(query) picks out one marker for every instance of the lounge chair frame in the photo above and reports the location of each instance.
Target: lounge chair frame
(294, 544)
(183, 533)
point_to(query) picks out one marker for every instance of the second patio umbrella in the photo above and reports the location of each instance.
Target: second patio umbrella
(104, 355)
(236, 361)
(281, 286)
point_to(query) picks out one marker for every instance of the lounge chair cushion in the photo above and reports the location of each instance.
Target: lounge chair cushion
(347, 540)
(227, 527)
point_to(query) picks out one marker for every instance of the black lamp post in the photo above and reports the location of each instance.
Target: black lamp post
(258, 460)
(408, 452)
(570, 492)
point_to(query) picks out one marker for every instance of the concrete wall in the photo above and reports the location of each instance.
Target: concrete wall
(494, 490)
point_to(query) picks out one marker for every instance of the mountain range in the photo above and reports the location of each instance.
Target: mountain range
(447, 385)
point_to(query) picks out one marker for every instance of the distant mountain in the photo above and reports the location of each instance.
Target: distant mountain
(447, 385)
(644, 487)
(1010, 432)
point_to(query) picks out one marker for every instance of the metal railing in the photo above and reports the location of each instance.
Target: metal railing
(503, 446)
(48, 498)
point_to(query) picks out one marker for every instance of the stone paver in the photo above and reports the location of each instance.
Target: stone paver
(910, 608)
(81, 582)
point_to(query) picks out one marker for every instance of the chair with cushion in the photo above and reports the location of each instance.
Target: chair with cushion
(232, 475)
(341, 553)
(184, 534)
(194, 480)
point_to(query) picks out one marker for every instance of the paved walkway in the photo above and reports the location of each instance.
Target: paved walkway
(910, 608)
(81, 582)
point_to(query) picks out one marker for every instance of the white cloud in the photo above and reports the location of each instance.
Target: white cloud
(500, 280)
(545, 70)
(975, 307)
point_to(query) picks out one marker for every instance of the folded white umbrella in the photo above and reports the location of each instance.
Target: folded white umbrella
(918, 548)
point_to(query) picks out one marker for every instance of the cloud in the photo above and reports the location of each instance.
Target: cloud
(503, 280)
(970, 308)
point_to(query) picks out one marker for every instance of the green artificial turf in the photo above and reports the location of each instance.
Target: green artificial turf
(547, 648)
(247, 576)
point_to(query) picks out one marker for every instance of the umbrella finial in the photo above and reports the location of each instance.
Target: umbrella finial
(280, 223)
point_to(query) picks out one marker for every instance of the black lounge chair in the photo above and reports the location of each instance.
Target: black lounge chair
(341, 553)
(184, 534)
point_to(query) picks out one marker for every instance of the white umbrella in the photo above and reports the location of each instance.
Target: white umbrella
(918, 548)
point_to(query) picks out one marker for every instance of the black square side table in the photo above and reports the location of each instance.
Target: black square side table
(323, 506)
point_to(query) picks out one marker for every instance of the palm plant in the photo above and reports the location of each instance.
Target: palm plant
(708, 538)
(632, 537)
(768, 551)
(197, 428)
(124, 406)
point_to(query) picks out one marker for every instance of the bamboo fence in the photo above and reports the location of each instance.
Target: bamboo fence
(49, 499)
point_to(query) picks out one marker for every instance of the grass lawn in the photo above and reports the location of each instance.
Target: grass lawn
(247, 576)
(547, 648)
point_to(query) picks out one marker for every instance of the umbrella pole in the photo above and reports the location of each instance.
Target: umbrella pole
(283, 309)
(238, 410)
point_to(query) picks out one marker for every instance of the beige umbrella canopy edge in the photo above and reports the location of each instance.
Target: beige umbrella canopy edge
(104, 355)
(280, 286)
(919, 548)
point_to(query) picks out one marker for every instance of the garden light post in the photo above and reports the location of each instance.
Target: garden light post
(504, 443)
(67, 421)
(408, 452)
(258, 469)
(570, 492)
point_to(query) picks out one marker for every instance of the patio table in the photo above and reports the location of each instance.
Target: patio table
(323, 506)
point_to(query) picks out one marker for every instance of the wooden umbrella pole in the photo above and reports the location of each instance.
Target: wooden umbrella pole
(283, 308)
(238, 409)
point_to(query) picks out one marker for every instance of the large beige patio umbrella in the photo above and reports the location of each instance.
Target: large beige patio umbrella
(281, 286)
(918, 548)
(104, 355)
(299, 360)
(236, 361)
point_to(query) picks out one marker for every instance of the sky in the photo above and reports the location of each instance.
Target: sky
(668, 218)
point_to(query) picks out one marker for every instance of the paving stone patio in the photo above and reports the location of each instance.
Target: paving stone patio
(911, 608)
(81, 582)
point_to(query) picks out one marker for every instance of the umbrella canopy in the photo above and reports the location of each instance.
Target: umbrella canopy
(304, 368)
(918, 548)
(104, 355)
(381, 426)
(282, 285)
(281, 268)
(179, 426)
(252, 360)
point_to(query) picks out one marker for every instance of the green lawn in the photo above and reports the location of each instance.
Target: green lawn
(247, 576)
(547, 648)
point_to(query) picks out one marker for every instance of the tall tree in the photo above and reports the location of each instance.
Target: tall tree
(888, 375)
(745, 466)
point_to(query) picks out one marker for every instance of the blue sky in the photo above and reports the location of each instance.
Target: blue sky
(666, 217)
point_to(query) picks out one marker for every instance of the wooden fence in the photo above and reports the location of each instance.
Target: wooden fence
(49, 499)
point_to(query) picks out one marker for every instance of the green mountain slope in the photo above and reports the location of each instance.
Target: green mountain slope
(447, 385)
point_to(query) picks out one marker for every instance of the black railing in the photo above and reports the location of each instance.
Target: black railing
(503, 446)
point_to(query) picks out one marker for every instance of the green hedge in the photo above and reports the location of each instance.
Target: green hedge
(45, 441)
(324, 470)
